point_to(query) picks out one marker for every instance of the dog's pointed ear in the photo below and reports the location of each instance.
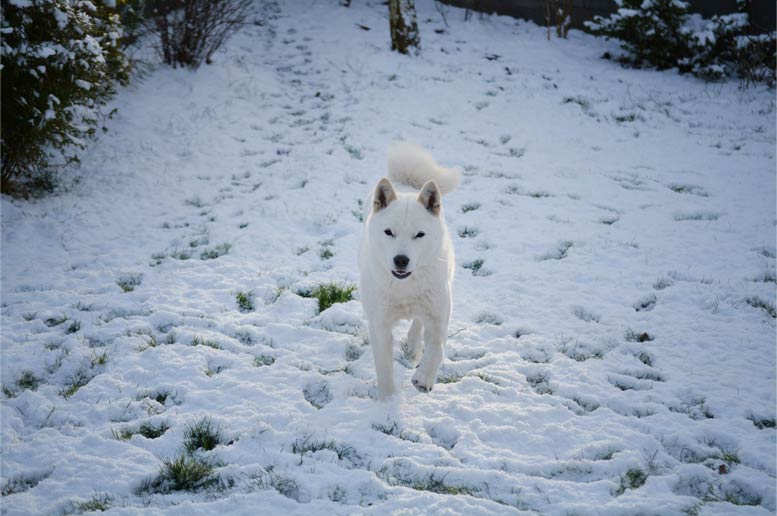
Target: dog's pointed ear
(384, 194)
(430, 197)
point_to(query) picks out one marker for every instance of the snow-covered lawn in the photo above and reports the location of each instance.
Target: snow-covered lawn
(612, 347)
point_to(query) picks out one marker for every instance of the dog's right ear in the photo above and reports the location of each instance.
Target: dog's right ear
(384, 194)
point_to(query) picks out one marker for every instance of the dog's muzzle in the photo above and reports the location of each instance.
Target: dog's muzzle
(401, 274)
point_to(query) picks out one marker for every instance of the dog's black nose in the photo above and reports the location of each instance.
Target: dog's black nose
(401, 261)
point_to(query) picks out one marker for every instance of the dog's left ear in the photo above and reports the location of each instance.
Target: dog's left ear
(430, 197)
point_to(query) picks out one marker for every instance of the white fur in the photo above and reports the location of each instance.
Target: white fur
(425, 295)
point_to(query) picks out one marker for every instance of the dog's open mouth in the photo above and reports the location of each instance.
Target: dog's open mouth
(401, 274)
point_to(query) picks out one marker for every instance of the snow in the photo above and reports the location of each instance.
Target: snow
(612, 349)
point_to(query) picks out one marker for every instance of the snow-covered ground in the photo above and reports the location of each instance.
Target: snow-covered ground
(611, 349)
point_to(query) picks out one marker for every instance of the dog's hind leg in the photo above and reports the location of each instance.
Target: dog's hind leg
(412, 348)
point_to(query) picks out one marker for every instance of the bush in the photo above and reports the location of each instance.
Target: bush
(652, 32)
(61, 60)
(755, 58)
(663, 34)
(190, 31)
(713, 45)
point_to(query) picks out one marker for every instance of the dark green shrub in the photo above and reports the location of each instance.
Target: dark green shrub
(661, 33)
(654, 34)
(61, 61)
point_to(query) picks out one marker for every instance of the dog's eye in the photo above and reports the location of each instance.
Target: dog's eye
(389, 233)
(420, 234)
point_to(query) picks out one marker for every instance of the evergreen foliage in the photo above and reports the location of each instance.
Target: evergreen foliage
(61, 61)
(663, 34)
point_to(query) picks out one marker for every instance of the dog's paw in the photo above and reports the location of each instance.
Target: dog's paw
(422, 382)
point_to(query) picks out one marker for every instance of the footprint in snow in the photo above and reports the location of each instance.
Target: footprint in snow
(688, 189)
(695, 215)
(645, 304)
(468, 232)
(318, 394)
(585, 315)
(559, 253)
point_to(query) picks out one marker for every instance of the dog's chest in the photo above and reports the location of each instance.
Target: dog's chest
(410, 303)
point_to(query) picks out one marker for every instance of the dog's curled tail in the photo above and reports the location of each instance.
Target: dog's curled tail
(412, 165)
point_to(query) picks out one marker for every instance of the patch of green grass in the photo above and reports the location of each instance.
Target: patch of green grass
(184, 473)
(762, 423)
(55, 321)
(157, 259)
(128, 282)
(343, 452)
(627, 117)
(757, 302)
(768, 276)
(741, 497)
(245, 301)
(633, 336)
(74, 327)
(288, 487)
(264, 360)
(100, 502)
(158, 396)
(100, 359)
(730, 457)
(394, 429)
(147, 430)
(8, 392)
(472, 206)
(645, 357)
(21, 483)
(201, 341)
(539, 195)
(147, 335)
(632, 479)
(80, 379)
(181, 254)
(215, 251)
(329, 294)
(475, 265)
(28, 381)
(580, 101)
(325, 253)
(486, 377)
(202, 435)
(435, 483)
(199, 241)
(451, 377)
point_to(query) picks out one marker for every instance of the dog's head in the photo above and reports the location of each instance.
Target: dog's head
(406, 229)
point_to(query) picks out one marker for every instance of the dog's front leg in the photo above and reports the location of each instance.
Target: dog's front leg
(382, 343)
(425, 374)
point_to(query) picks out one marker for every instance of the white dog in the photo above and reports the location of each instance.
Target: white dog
(406, 262)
